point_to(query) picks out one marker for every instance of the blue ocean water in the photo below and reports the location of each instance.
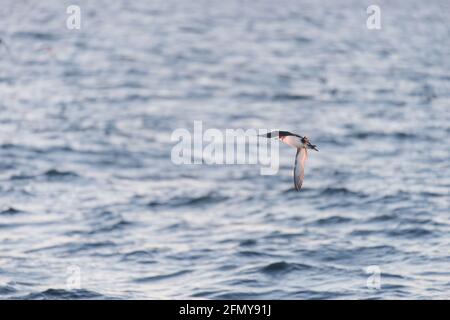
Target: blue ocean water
(87, 180)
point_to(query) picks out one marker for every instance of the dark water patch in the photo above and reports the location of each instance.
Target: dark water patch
(435, 273)
(93, 245)
(382, 218)
(345, 204)
(137, 97)
(393, 276)
(363, 232)
(248, 243)
(191, 255)
(316, 295)
(410, 233)
(388, 102)
(291, 97)
(162, 276)
(227, 267)
(254, 254)
(334, 141)
(284, 235)
(61, 294)
(181, 201)
(274, 294)
(422, 222)
(10, 225)
(283, 267)
(205, 294)
(75, 247)
(341, 191)
(364, 135)
(117, 226)
(351, 255)
(141, 256)
(35, 35)
(22, 176)
(397, 197)
(332, 220)
(433, 194)
(10, 211)
(105, 215)
(120, 225)
(396, 287)
(6, 166)
(54, 174)
(182, 225)
(241, 282)
(303, 40)
(7, 290)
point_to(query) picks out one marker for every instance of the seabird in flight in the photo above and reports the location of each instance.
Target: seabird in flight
(302, 144)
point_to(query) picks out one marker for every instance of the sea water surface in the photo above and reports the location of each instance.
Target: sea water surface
(88, 190)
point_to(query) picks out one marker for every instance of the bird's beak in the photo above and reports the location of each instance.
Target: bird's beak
(313, 146)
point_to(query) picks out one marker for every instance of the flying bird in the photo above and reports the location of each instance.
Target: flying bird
(302, 144)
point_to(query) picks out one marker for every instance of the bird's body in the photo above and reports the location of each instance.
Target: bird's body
(302, 144)
(293, 141)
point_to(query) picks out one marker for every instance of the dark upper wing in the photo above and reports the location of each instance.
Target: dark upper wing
(299, 169)
(277, 134)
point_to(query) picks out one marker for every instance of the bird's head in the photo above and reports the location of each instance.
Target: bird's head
(308, 144)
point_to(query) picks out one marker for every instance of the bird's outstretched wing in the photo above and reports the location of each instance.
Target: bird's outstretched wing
(299, 169)
(279, 134)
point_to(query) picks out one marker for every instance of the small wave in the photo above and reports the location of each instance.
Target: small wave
(383, 218)
(422, 222)
(249, 253)
(284, 235)
(301, 39)
(211, 198)
(176, 226)
(393, 287)
(21, 176)
(53, 173)
(410, 233)
(10, 211)
(74, 248)
(391, 198)
(35, 35)
(332, 220)
(332, 191)
(283, 267)
(393, 276)
(363, 135)
(433, 194)
(56, 294)
(120, 225)
(162, 277)
(6, 290)
(362, 233)
(290, 96)
(205, 294)
(141, 256)
(94, 245)
(316, 295)
(248, 243)
(272, 294)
